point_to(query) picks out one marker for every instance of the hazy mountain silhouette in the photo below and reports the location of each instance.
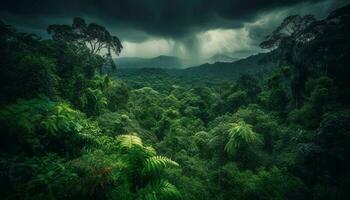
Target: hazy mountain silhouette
(161, 62)
(255, 64)
(221, 58)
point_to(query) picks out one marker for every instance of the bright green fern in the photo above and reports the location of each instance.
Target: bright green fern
(155, 164)
(241, 135)
(129, 141)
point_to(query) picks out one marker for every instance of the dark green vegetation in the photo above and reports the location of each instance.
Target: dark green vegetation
(67, 132)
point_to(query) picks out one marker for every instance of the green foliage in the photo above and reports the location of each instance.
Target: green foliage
(116, 123)
(129, 141)
(162, 190)
(237, 99)
(271, 183)
(241, 136)
(41, 125)
(320, 99)
(156, 164)
(96, 103)
(144, 169)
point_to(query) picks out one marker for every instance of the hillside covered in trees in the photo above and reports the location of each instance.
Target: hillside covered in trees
(70, 130)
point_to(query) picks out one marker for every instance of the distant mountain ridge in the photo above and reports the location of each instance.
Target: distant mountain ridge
(160, 62)
(166, 62)
(255, 64)
(221, 58)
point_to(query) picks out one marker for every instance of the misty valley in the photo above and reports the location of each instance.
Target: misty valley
(86, 113)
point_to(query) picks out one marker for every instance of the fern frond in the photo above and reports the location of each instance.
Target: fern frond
(162, 189)
(129, 141)
(150, 151)
(155, 164)
(241, 135)
(169, 191)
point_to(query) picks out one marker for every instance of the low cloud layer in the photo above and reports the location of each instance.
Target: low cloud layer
(191, 29)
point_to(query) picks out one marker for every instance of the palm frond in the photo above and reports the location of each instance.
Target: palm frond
(162, 190)
(241, 135)
(165, 190)
(155, 164)
(128, 141)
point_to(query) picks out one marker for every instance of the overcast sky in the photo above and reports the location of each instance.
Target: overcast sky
(190, 29)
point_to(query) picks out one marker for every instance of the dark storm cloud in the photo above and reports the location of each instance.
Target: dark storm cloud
(165, 18)
(270, 20)
(190, 29)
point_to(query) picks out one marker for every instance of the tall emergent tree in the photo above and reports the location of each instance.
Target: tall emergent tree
(92, 36)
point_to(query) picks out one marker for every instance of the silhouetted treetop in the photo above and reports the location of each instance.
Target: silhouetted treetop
(93, 36)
